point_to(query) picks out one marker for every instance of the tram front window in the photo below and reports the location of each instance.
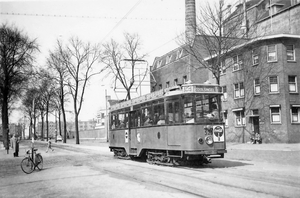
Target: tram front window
(206, 108)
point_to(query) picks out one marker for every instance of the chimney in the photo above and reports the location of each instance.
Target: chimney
(190, 20)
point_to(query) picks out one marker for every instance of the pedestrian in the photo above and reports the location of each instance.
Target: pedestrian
(49, 146)
(14, 142)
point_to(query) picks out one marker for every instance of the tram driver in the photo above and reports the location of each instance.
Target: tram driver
(214, 115)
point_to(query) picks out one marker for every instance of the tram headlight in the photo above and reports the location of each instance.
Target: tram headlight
(209, 140)
(200, 140)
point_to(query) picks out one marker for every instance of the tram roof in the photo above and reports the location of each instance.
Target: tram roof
(172, 91)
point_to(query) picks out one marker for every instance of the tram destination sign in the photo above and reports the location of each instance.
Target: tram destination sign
(201, 88)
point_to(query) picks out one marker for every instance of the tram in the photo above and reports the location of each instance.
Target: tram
(175, 126)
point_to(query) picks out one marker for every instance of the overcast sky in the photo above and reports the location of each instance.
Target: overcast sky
(158, 22)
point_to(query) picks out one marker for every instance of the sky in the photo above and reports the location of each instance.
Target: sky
(157, 22)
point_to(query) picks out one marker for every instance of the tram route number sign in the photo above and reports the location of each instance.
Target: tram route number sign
(218, 132)
(200, 88)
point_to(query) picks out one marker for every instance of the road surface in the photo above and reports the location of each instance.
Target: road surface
(82, 171)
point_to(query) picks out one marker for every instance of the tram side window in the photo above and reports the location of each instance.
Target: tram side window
(159, 114)
(135, 119)
(146, 117)
(188, 112)
(206, 108)
(173, 109)
(202, 108)
(123, 120)
(113, 121)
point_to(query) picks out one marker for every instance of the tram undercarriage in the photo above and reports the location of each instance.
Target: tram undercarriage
(166, 158)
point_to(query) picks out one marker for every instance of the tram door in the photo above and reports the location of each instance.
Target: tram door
(133, 123)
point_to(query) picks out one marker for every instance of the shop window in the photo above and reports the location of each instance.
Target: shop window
(275, 112)
(272, 53)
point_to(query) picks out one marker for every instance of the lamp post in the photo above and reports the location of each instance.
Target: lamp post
(106, 117)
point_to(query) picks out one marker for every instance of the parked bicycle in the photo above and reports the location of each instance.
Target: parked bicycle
(32, 161)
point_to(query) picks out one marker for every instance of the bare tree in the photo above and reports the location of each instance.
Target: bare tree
(16, 58)
(29, 108)
(56, 64)
(218, 33)
(121, 61)
(79, 58)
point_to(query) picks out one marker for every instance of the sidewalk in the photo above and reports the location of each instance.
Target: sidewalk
(285, 154)
(269, 147)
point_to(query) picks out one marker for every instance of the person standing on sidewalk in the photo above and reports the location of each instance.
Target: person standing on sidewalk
(14, 142)
(49, 146)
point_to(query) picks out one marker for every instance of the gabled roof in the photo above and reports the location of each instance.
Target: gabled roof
(204, 45)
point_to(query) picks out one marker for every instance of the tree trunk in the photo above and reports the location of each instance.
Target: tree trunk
(63, 114)
(47, 123)
(5, 123)
(59, 123)
(65, 124)
(42, 130)
(76, 128)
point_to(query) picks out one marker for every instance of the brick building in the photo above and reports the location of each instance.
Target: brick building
(260, 79)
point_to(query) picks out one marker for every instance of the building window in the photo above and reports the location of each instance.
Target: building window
(237, 62)
(167, 84)
(239, 90)
(159, 63)
(223, 67)
(224, 91)
(255, 57)
(256, 87)
(184, 79)
(240, 119)
(168, 59)
(292, 84)
(290, 53)
(225, 116)
(179, 54)
(160, 86)
(273, 80)
(175, 82)
(275, 114)
(295, 111)
(255, 112)
(272, 53)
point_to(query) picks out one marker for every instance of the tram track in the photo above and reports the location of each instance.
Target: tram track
(264, 185)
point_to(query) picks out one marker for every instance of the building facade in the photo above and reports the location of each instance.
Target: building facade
(261, 90)
(260, 76)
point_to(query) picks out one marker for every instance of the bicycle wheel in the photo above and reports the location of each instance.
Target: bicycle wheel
(27, 165)
(39, 161)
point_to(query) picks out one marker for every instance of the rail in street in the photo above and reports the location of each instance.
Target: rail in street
(82, 171)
